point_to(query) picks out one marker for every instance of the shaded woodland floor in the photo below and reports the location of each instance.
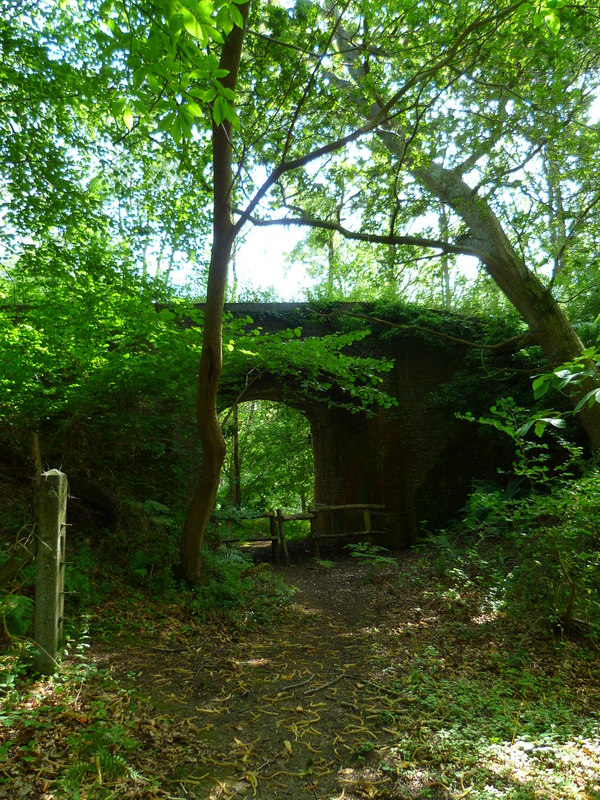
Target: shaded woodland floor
(401, 683)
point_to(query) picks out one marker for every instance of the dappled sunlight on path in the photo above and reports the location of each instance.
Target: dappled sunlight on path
(287, 713)
(373, 688)
(393, 685)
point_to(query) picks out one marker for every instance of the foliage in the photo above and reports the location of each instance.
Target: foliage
(17, 614)
(372, 555)
(101, 755)
(68, 340)
(543, 521)
(325, 368)
(51, 121)
(83, 709)
(99, 368)
(571, 375)
(325, 563)
(530, 459)
(133, 91)
(107, 113)
(237, 594)
(274, 457)
(167, 50)
(110, 113)
(478, 127)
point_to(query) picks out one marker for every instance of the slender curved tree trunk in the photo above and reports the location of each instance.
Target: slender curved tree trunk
(211, 358)
(235, 494)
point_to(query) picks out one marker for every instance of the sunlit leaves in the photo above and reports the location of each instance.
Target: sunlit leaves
(313, 365)
(80, 328)
(50, 102)
(128, 118)
(192, 26)
(546, 12)
(275, 456)
(165, 48)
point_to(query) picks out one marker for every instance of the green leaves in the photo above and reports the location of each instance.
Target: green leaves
(16, 613)
(173, 74)
(79, 340)
(571, 376)
(313, 365)
(194, 28)
(588, 399)
(544, 13)
(539, 423)
(128, 118)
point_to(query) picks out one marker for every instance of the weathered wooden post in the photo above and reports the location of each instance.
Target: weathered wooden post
(314, 536)
(50, 568)
(280, 523)
(274, 536)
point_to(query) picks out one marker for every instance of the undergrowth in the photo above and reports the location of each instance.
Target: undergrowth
(78, 732)
(532, 539)
(82, 726)
(243, 595)
(484, 699)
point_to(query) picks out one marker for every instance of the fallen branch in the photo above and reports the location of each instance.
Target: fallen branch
(325, 685)
(301, 683)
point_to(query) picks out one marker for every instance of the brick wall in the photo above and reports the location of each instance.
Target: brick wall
(417, 458)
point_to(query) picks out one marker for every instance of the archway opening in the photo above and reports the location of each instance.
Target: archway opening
(269, 465)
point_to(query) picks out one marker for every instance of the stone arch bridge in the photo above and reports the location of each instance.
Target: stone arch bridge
(417, 459)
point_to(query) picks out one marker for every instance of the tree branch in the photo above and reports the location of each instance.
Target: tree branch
(369, 238)
(310, 83)
(380, 115)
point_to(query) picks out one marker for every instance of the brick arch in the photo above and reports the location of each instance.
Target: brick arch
(417, 459)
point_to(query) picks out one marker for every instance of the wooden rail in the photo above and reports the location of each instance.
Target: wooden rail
(277, 520)
(275, 535)
(367, 532)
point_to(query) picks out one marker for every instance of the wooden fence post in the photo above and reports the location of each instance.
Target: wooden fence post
(50, 569)
(316, 550)
(280, 523)
(274, 537)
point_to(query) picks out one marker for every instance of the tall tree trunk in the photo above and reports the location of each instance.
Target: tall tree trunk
(533, 300)
(211, 358)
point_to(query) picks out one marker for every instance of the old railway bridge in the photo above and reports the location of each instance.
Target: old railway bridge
(417, 458)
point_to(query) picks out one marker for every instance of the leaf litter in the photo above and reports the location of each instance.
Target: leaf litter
(394, 685)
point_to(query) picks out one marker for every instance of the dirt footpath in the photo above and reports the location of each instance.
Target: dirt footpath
(295, 711)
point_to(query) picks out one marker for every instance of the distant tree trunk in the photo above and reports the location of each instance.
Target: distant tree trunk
(211, 358)
(557, 223)
(445, 260)
(236, 477)
(331, 267)
(35, 457)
